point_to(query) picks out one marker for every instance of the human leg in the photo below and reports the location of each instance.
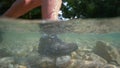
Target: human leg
(50, 9)
(20, 7)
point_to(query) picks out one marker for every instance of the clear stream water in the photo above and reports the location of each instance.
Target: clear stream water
(20, 37)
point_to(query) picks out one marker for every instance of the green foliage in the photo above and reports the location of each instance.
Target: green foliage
(75, 9)
(91, 8)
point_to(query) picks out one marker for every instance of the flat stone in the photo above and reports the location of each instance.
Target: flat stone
(108, 52)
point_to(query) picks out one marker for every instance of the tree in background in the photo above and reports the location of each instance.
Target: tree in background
(75, 9)
(90, 8)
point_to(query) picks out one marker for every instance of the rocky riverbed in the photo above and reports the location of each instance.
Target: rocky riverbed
(103, 55)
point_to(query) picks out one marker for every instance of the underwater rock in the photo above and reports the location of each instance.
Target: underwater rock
(14, 62)
(88, 55)
(63, 61)
(51, 45)
(76, 63)
(91, 64)
(97, 58)
(49, 62)
(45, 62)
(6, 61)
(21, 66)
(109, 53)
(110, 66)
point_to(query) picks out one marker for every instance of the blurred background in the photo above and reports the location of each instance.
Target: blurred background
(72, 9)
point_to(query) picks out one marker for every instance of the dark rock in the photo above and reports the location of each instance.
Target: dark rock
(109, 53)
(51, 45)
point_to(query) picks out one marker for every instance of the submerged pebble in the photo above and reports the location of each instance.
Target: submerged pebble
(63, 61)
(110, 66)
